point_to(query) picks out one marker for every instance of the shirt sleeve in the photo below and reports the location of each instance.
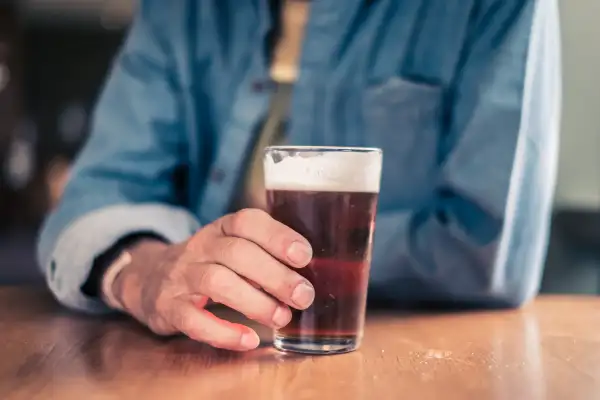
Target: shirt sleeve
(124, 180)
(483, 240)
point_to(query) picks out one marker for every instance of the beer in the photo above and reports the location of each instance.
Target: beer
(338, 226)
(329, 197)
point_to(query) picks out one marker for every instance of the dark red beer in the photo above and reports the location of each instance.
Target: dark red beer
(339, 226)
(329, 196)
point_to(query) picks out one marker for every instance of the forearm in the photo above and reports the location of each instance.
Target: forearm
(418, 260)
(483, 239)
(93, 285)
(69, 247)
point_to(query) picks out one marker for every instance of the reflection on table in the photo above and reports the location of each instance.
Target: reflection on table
(549, 350)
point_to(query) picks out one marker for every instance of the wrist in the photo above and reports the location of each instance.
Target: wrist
(122, 282)
(121, 286)
(110, 277)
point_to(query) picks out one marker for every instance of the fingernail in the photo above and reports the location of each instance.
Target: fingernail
(250, 340)
(299, 253)
(303, 295)
(281, 317)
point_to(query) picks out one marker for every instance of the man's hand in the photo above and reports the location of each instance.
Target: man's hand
(242, 260)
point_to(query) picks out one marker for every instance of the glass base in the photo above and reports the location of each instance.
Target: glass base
(317, 346)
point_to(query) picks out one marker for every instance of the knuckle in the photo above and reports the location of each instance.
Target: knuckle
(282, 285)
(263, 313)
(188, 324)
(159, 326)
(178, 319)
(190, 327)
(279, 278)
(197, 243)
(183, 322)
(162, 303)
(229, 248)
(241, 220)
(172, 272)
(283, 288)
(193, 244)
(276, 242)
(216, 280)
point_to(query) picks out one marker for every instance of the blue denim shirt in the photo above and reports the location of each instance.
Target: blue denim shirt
(462, 95)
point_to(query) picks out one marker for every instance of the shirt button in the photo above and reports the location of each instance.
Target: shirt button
(217, 175)
(257, 86)
(52, 269)
(261, 86)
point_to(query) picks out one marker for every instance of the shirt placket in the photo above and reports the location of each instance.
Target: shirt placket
(320, 36)
(250, 106)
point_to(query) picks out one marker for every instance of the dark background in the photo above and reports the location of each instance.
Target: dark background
(57, 63)
(57, 57)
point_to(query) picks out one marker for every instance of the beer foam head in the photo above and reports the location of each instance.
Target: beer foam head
(325, 169)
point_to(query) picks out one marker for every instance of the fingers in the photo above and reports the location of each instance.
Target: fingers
(203, 326)
(232, 259)
(224, 286)
(252, 262)
(277, 239)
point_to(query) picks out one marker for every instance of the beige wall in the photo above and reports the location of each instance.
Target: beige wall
(579, 174)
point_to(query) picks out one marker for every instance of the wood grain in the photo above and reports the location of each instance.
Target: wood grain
(549, 350)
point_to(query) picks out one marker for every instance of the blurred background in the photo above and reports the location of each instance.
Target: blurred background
(54, 55)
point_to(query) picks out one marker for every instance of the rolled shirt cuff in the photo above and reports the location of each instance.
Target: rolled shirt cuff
(93, 234)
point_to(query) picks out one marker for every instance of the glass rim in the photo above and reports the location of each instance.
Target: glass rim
(323, 149)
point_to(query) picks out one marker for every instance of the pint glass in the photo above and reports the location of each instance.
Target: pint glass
(328, 195)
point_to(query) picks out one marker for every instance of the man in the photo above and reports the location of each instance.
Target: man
(463, 97)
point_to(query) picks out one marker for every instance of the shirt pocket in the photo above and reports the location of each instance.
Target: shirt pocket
(404, 119)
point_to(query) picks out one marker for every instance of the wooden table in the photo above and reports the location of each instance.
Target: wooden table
(549, 350)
